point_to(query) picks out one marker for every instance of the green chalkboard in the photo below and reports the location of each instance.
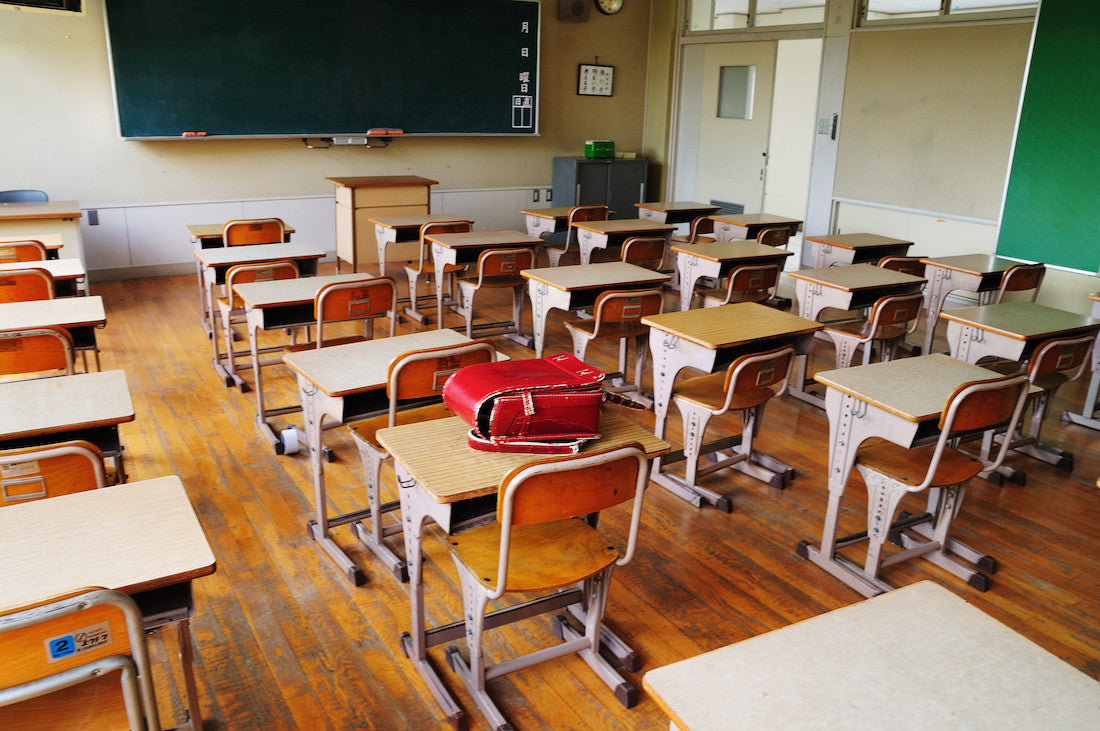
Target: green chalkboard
(1052, 203)
(324, 67)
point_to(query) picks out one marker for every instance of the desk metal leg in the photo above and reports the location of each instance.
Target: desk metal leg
(1088, 416)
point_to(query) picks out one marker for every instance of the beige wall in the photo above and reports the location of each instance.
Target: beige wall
(58, 131)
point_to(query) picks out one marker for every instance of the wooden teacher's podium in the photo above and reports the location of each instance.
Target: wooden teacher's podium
(360, 199)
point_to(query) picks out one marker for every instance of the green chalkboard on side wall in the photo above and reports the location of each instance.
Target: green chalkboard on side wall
(322, 68)
(1052, 203)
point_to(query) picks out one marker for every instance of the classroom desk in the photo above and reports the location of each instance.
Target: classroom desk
(80, 316)
(709, 340)
(209, 236)
(441, 479)
(901, 401)
(610, 234)
(30, 219)
(391, 231)
(717, 259)
(215, 263)
(68, 274)
(849, 287)
(674, 211)
(347, 383)
(275, 305)
(1088, 416)
(545, 221)
(848, 669)
(1010, 330)
(978, 273)
(573, 287)
(728, 227)
(360, 198)
(854, 248)
(464, 249)
(141, 539)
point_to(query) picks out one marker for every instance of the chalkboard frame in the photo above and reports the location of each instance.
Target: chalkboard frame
(292, 69)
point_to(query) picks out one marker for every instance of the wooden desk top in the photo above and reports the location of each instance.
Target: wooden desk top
(701, 209)
(131, 537)
(214, 230)
(289, 291)
(60, 312)
(728, 325)
(856, 277)
(914, 389)
(732, 250)
(381, 181)
(1022, 320)
(69, 268)
(31, 210)
(595, 276)
(843, 670)
(340, 370)
(437, 455)
(857, 241)
(484, 239)
(231, 255)
(50, 241)
(556, 212)
(624, 225)
(755, 219)
(971, 263)
(417, 221)
(64, 403)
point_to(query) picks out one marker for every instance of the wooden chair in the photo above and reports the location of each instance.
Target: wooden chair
(746, 386)
(645, 251)
(1055, 362)
(76, 661)
(41, 351)
(747, 283)
(29, 250)
(777, 236)
(891, 472)
(49, 470)
(425, 265)
(570, 253)
(245, 232)
(904, 264)
(231, 309)
(26, 285)
(414, 388)
(541, 543)
(496, 269)
(699, 232)
(893, 317)
(617, 316)
(1020, 278)
(367, 299)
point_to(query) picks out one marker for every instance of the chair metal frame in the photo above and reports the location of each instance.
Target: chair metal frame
(893, 318)
(414, 388)
(577, 214)
(27, 250)
(425, 266)
(496, 269)
(538, 503)
(648, 252)
(48, 470)
(252, 231)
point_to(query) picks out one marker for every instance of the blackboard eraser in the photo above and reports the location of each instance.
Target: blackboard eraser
(193, 134)
(384, 131)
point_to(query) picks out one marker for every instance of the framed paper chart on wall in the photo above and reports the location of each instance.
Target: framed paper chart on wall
(595, 79)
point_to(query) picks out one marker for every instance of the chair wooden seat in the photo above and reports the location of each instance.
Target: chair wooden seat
(892, 318)
(609, 330)
(910, 466)
(543, 555)
(708, 391)
(312, 345)
(862, 329)
(367, 430)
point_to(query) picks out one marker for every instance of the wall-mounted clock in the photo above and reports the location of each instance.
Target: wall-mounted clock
(609, 7)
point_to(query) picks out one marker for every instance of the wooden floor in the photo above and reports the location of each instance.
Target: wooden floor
(284, 641)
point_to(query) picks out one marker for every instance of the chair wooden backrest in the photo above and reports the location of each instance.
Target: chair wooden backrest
(49, 470)
(503, 266)
(1020, 278)
(421, 374)
(626, 306)
(777, 236)
(560, 488)
(361, 299)
(76, 661)
(755, 280)
(644, 251)
(36, 351)
(701, 226)
(437, 227)
(904, 264)
(580, 214)
(29, 250)
(245, 232)
(895, 311)
(1059, 360)
(267, 271)
(770, 369)
(26, 285)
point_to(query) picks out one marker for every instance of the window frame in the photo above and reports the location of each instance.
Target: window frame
(943, 16)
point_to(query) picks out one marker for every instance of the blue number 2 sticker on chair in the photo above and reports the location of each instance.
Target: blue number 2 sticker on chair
(60, 647)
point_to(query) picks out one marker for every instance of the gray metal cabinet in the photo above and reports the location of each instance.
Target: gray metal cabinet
(589, 181)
